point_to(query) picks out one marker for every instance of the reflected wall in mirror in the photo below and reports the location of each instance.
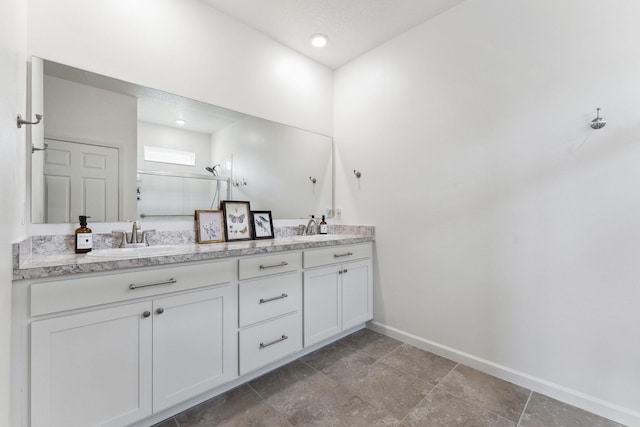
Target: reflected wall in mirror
(116, 152)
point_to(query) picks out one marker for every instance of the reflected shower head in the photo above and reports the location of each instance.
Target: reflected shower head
(213, 169)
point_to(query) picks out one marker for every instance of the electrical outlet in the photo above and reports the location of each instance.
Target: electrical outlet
(338, 212)
(328, 212)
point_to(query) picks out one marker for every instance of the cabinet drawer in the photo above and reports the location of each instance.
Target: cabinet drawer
(266, 343)
(335, 254)
(268, 297)
(69, 294)
(270, 264)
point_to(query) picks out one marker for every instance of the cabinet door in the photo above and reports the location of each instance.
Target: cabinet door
(92, 368)
(194, 344)
(357, 289)
(322, 312)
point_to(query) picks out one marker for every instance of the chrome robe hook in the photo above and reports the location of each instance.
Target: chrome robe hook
(25, 122)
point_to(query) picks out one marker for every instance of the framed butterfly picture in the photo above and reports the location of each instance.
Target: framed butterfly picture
(262, 224)
(237, 220)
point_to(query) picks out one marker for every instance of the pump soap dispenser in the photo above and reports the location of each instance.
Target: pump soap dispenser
(84, 236)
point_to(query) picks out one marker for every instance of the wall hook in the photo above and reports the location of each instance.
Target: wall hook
(240, 182)
(34, 149)
(25, 122)
(312, 179)
(357, 173)
(598, 122)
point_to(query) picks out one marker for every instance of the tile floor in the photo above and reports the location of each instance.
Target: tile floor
(368, 379)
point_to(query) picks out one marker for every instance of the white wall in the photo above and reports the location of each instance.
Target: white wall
(188, 48)
(12, 152)
(506, 228)
(277, 162)
(160, 136)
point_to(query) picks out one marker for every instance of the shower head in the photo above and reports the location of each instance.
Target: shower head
(213, 169)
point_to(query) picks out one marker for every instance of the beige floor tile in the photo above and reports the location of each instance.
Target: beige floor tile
(543, 411)
(496, 395)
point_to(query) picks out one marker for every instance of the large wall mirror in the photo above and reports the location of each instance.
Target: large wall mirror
(118, 151)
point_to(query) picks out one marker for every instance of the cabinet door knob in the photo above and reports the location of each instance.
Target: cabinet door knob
(160, 310)
(345, 270)
(146, 314)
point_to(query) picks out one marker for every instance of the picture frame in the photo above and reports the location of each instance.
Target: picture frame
(237, 220)
(262, 224)
(210, 226)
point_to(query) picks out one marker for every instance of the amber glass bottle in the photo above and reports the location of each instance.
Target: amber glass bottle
(84, 236)
(323, 226)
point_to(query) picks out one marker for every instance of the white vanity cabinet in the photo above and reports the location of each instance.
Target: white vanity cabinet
(136, 346)
(170, 336)
(338, 290)
(270, 309)
(92, 368)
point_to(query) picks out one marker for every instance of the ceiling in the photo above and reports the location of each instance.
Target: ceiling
(352, 26)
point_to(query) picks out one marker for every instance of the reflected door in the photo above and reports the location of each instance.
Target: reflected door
(80, 179)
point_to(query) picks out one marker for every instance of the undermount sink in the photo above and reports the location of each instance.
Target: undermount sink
(319, 237)
(141, 252)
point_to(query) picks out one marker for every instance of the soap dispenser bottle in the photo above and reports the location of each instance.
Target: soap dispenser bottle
(84, 236)
(323, 226)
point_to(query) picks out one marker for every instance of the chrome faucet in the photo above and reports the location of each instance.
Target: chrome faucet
(309, 229)
(135, 239)
(134, 232)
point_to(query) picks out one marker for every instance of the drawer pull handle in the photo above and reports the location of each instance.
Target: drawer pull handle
(282, 264)
(282, 338)
(167, 282)
(262, 300)
(341, 255)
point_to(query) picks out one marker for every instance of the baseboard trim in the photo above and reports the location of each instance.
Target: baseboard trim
(573, 397)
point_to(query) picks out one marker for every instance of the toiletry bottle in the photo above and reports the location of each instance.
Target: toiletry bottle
(323, 226)
(84, 237)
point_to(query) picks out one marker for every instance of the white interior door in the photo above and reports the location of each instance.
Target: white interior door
(80, 179)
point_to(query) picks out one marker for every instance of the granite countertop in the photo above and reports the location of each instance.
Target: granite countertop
(34, 266)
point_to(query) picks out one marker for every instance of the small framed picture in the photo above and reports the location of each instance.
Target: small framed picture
(262, 224)
(209, 226)
(237, 220)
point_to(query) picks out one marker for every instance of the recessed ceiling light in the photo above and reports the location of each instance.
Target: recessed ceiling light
(319, 40)
(181, 122)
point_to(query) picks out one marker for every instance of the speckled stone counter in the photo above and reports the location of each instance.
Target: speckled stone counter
(32, 262)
